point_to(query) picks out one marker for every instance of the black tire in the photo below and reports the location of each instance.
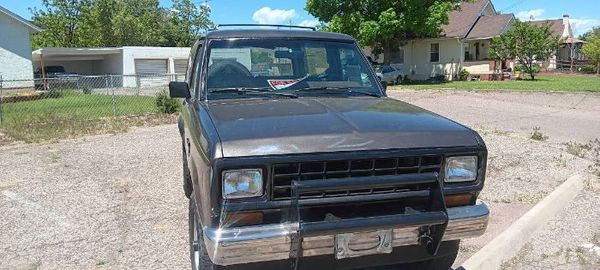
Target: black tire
(187, 177)
(399, 80)
(198, 255)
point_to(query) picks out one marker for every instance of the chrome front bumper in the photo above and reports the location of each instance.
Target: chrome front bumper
(228, 246)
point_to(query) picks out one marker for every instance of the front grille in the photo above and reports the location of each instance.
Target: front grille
(284, 173)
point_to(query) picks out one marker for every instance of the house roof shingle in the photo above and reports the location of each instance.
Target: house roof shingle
(460, 21)
(490, 26)
(556, 26)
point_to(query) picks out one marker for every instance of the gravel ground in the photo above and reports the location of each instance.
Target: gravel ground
(563, 117)
(115, 201)
(571, 239)
(521, 172)
(111, 201)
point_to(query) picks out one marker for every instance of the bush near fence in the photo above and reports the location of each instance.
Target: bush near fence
(56, 108)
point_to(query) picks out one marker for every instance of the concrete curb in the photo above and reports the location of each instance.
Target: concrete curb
(509, 242)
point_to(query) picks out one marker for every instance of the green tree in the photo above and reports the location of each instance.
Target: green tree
(112, 23)
(585, 36)
(138, 23)
(383, 25)
(500, 48)
(189, 20)
(526, 43)
(592, 49)
(60, 20)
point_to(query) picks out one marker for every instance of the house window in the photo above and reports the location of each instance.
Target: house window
(468, 56)
(434, 52)
(398, 57)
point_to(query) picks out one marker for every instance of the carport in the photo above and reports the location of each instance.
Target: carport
(84, 61)
(123, 66)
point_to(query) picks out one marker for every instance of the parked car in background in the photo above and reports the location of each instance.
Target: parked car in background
(309, 165)
(55, 77)
(390, 74)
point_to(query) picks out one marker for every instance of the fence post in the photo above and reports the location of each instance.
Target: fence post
(114, 105)
(138, 84)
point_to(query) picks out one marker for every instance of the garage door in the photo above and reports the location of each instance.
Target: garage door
(151, 72)
(181, 66)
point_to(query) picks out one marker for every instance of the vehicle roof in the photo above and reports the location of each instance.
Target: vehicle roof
(277, 33)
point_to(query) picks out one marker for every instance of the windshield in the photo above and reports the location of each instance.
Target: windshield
(301, 67)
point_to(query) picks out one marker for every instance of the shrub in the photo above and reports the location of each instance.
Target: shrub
(519, 68)
(536, 68)
(538, 135)
(589, 69)
(166, 104)
(86, 90)
(463, 74)
(52, 93)
(437, 78)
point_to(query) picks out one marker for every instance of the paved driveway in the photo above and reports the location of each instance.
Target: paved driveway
(563, 117)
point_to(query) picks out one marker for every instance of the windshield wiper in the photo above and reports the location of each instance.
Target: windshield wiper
(348, 90)
(252, 90)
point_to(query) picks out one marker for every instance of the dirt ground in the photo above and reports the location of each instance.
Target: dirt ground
(115, 201)
(522, 171)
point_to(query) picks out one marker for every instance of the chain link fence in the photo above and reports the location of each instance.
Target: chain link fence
(75, 102)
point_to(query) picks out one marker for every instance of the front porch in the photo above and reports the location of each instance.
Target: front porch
(477, 62)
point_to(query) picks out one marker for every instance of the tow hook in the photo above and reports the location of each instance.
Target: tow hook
(425, 238)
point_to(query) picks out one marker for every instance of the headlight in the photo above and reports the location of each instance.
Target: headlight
(461, 169)
(242, 183)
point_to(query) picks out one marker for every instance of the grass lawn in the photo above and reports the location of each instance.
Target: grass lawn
(75, 114)
(581, 83)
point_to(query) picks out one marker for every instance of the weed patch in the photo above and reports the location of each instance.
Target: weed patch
(56, 126)
(537, 135)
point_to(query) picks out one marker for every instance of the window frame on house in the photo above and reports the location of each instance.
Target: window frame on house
(397, 57)
(432, 53)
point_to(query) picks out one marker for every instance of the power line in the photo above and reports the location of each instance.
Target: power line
(513, 5)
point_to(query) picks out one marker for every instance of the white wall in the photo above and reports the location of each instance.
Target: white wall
(132, 53)
(478, 67)
(112, 64)
(15, 53)
(416, 59)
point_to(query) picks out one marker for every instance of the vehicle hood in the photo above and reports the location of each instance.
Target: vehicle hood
(254, 127)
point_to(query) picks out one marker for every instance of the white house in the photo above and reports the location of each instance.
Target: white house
(137, 65)
(464, 44)
(15, 50)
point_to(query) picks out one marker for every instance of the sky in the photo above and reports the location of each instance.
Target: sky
(584, 14)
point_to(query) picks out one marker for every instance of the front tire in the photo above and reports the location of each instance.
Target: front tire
(198, 254)
(399, 80)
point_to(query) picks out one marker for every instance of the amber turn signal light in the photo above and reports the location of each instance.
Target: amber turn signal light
(458, 200)
(243, 219)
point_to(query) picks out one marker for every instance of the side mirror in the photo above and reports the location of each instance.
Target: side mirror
(384, 85)
(179, 90)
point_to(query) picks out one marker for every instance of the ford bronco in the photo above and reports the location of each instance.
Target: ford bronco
(295, 158)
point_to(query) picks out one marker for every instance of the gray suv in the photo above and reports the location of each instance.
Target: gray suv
(295, 158)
